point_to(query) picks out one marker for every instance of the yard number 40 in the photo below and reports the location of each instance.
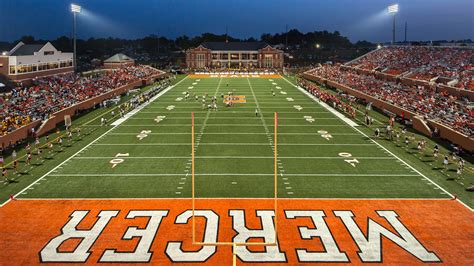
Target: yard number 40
(350, 160)
(117, 159)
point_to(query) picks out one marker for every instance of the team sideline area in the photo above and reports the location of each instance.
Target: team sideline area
(123, 192)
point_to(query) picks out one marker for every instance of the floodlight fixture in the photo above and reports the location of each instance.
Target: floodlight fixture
(392, 9)
(76, 8)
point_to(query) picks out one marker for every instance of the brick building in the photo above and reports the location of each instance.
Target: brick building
(234, 55)
(27, 61)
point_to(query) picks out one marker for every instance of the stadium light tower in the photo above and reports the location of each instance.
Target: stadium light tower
(393, 9)
(75, 10)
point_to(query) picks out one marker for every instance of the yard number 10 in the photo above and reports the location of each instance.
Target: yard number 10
(117, 159)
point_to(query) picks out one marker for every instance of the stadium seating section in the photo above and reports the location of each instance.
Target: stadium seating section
(423, 63)
(424, 100)
(51, 94)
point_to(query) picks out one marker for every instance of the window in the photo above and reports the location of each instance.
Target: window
(234, 56)
(53, 65)
(12, 70)
(268, 61)
(225, 56)
(200, 60)
(48, 52)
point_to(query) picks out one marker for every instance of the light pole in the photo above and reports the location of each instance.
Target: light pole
(75, 10)
(393, 9)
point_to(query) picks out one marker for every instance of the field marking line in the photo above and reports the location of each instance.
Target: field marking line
(218, 198)
(230, 157)
(233, 144)
(391, 153)
(84, 148)
(227, 111)
(310, 134)
(230, 174)
(231, 118)
(227, 125)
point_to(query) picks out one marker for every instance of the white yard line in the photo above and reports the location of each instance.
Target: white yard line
(78, 152)
(230, 174)
(230, 157)
(232, 144)
(229, 125)
(392, 154)
(236, 118)
(239, 133)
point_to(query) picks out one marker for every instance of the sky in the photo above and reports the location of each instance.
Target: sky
(356, 19)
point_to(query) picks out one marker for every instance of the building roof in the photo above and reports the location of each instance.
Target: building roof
(234, 46)
(27, 49)
(118, 58)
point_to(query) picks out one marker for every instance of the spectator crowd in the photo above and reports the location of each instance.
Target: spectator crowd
(423, 63)
(426, 101)
(51, 94)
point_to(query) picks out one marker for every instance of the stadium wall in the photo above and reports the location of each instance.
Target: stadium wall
(445, 132)
(19, 134)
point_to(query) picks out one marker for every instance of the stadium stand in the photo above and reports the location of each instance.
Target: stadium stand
(51, 94)
(449, 64)
(426, 101)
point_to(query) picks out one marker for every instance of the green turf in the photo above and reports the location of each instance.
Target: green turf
(234, 156)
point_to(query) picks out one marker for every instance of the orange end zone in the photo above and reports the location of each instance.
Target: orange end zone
(400, 232)
(273, 76)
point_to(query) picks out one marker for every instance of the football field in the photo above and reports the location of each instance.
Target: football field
(125, 196)
(319, 154)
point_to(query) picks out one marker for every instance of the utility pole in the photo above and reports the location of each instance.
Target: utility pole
(75, 10)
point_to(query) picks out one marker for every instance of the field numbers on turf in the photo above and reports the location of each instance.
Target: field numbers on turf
(351, 161)
(297, 107)
(159, 118)
(290, 99)
(309, 118)
(179, 99)
(117, 160)
(325, 134)
(270, 80)
(194, 83)
(143, 134)
(190, 88)
(283, 92)
(274, 83)
(278, 88)
(170, 107)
